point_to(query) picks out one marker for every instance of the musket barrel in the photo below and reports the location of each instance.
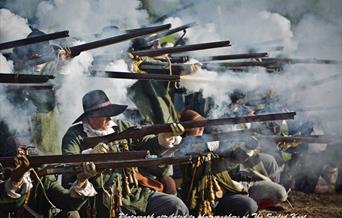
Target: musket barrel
(144, 162)
(74, 169)
(159, 128)
(171, 31)
(36, 161)
(28, 86)
(76, 50)
(233, 56)
(239, 64)
(35, 39)
(24, 78)
(194, 47)
(302, 139)
(138, 76)
(303, 61)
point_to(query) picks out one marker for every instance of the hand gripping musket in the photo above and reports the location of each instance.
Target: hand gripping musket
(35, 39)
(24, 78)
(113, 164)
(37, 161)
(135, 133)
(194, 47)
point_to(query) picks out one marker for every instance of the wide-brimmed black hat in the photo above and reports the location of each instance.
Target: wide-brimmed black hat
(97, 104)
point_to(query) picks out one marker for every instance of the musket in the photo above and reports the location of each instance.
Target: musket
(135, 132)
(193, 47)
(302, 61)
(273, 62)
(236, 64)
(221, 57)
(138, 76)
(36, 161)
(76, 50)
(163, 68)
(34, 39)
(24, 78)
(114, 164)
(183, 59)
(245, 134)
(169, 32)
(140, 29)
(321, 139)
(28, 86)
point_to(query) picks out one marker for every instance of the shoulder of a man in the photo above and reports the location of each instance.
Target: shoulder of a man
(73, 135)
(74, 130)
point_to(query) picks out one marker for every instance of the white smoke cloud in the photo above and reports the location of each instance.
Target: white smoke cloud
(15, 117)
(13, 27)
(88, 16)
(5, 66)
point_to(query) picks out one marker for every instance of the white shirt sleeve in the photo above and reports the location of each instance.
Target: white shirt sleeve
(78, 192)
(12, 189)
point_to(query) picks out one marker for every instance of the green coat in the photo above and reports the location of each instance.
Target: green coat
(42, 119)
(58, 195)
(153, 101)
(72, 144)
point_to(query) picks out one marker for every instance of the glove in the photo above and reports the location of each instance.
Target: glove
(89, 170)
(23, 165)
(169, 139)
(99, 148)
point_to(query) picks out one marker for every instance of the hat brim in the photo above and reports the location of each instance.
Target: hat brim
(108, 111)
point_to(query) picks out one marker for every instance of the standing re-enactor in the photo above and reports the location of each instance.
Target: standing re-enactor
(116, 193)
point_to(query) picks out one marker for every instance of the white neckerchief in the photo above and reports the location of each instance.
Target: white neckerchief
(93, 132)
